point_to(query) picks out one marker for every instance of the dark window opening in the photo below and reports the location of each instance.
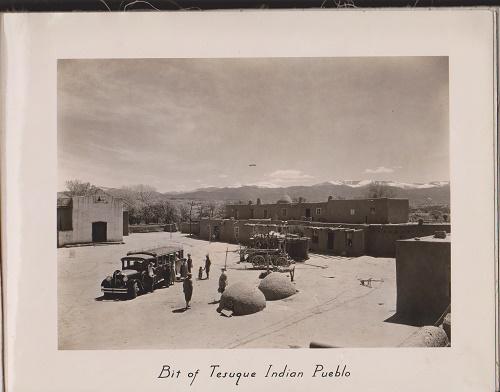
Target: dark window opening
(64, 219)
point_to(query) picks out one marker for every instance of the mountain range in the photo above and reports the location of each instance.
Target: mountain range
(432, 193)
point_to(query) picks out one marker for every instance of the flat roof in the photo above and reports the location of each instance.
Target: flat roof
(314, 202)
(430, 238)
(159, 250)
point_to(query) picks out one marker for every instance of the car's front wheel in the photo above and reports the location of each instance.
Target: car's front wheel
(133, 290)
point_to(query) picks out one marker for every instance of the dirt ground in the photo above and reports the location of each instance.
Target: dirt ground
(331, 306)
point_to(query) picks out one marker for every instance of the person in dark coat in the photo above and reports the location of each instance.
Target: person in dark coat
(187, 287)
(167, 277)
(222, 281)
(200, 273)
(184, 269)
(189, 263)
(208, 263)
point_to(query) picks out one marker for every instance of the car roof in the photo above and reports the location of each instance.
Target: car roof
(134, 258)
(156, 251)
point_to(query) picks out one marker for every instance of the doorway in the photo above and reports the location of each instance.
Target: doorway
(308, 212)
(330, 241)
(99, 231)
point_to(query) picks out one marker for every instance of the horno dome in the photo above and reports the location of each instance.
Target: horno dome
(284, 200)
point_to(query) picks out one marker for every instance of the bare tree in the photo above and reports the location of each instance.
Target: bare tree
(165, 211)
(80, 188)
(183, 213)
(220, 211)
(144, 193)
(378, 190)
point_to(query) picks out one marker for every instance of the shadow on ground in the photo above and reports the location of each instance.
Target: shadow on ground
(408, 319)
(179, 310)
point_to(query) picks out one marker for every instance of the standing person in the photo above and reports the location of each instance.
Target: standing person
(166, 275)
(208, 263)
(184, 269)
(189, 263)
(200, 273)
(173, 273)
(187, 287)
(222, 281)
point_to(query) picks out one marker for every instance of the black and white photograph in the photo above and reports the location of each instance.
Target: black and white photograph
(253, 203)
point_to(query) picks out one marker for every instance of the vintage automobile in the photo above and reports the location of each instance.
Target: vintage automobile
(143, 271)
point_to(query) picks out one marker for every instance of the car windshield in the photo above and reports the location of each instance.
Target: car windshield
(134, 264)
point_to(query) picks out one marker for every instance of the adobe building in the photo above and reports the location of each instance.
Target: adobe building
(358, 211)
(343, 239)
(190, 227)
(423, 278)
(89, 219)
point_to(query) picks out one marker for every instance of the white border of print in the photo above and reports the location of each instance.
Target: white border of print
(31, 46)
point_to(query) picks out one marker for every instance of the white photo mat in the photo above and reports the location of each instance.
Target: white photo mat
(31, 45)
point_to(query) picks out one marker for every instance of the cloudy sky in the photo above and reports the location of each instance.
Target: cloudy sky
(181, 124)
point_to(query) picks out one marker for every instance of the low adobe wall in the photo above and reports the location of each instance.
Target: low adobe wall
(423, 278)
(193, 228)
(381, 239)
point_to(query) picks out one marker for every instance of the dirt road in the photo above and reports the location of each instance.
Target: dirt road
(331, 305)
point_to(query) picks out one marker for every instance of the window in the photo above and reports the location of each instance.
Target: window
(318, 211)
(372, 210)
(349, 238)
(283, 212)
(353, 211)
(64, 219)
(265, 214)
(315, 237)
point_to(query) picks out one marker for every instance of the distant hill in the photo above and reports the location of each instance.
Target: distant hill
(435, 193)
(432, 193)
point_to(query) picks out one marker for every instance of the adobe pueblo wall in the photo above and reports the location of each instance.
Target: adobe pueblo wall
(423, 276)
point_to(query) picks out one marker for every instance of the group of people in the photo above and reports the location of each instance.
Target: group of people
(186, 275)
(187, 268)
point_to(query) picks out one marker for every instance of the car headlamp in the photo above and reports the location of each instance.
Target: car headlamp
(125, 278)
(109, 278)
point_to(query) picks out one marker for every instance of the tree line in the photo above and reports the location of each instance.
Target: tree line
(146, 205)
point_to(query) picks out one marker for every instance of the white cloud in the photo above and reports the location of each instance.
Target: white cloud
(289, 176)
(380, 169)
